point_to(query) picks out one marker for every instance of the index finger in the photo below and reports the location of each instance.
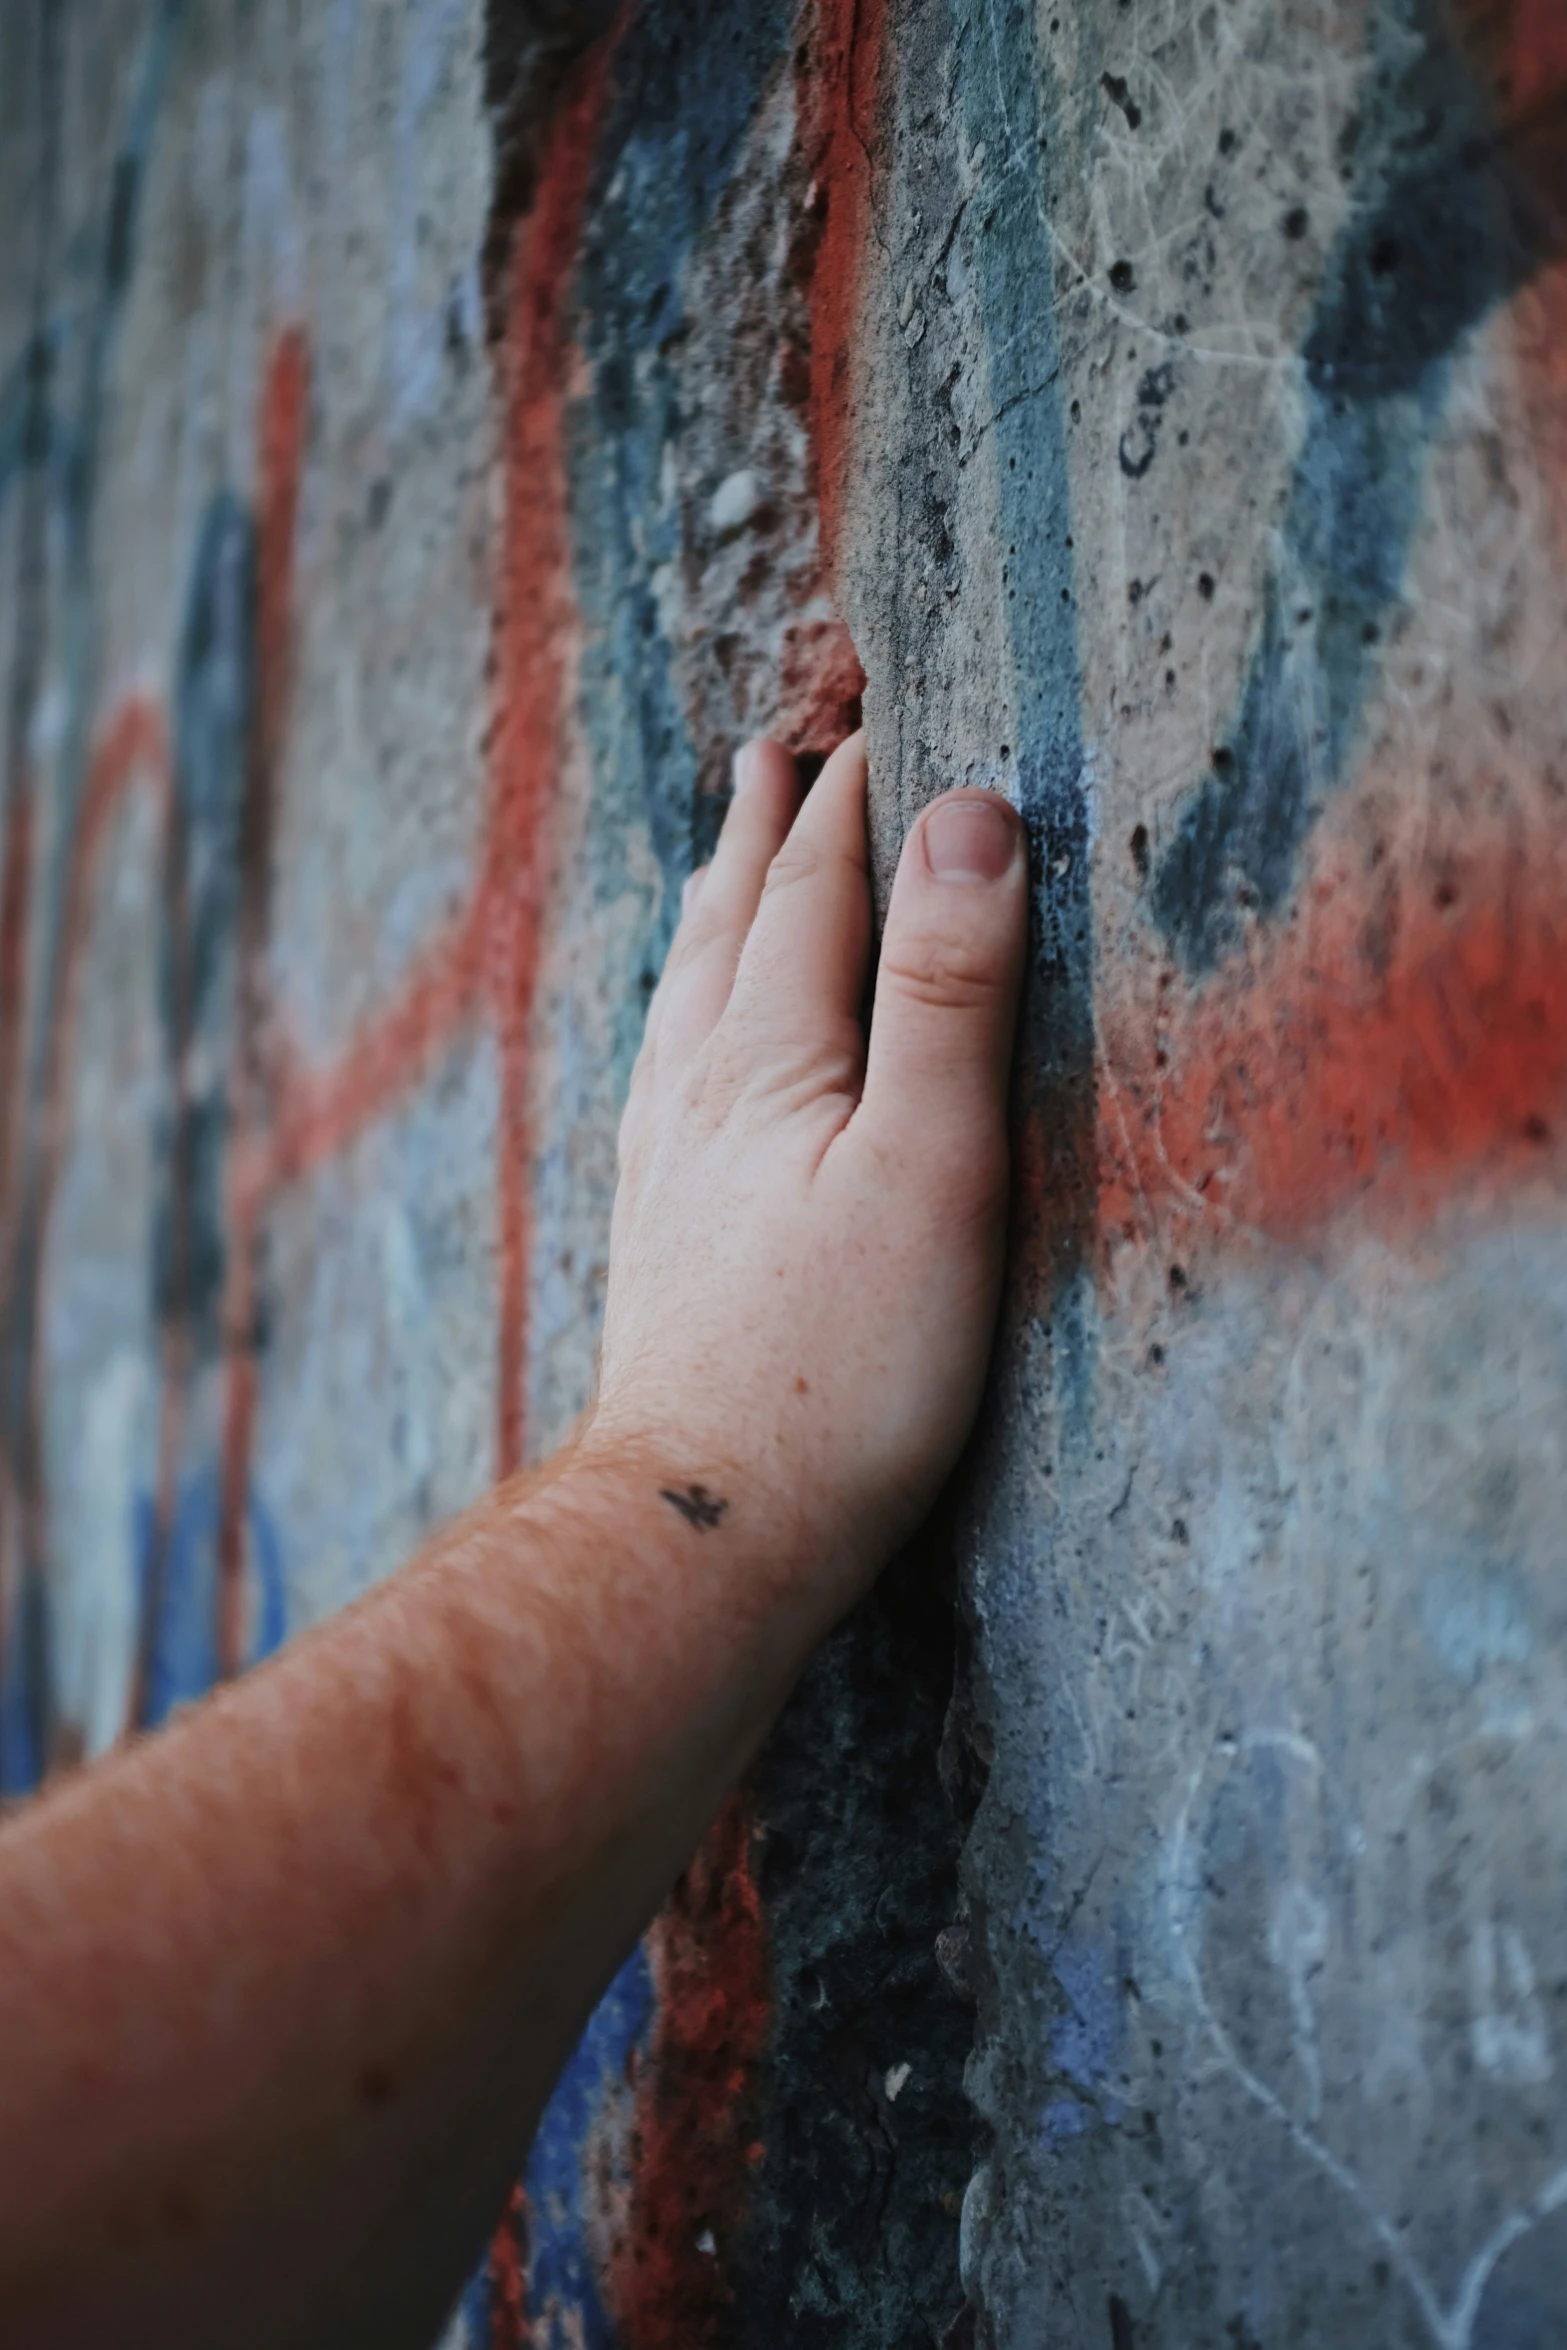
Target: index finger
(802, 969)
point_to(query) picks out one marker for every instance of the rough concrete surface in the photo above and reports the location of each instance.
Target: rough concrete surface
(431, 436)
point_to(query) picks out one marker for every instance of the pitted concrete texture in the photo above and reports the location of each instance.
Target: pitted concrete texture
(1258, 583)
(432, 436)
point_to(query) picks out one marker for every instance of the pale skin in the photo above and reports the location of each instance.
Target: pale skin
(283, 1990)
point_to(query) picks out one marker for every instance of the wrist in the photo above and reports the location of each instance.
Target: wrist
(721, 1531)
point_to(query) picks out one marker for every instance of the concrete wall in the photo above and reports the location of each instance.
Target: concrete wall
(427, 443)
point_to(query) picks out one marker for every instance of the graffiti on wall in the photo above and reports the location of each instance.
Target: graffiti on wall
(1317, 1005)
(1374, 1027)
(654, 2120)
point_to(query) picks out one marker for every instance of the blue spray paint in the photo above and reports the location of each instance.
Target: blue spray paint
(1086, 2041)
(183, 1655)
(683, 95)
(214, 714)
(24, 415)
(1064, 2118)
(1004, 91)
(561, 2272)
(21, 1733)
(214, 718)
(565, 2302)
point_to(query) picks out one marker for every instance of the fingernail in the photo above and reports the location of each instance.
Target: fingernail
(970, 839)
(748, 766)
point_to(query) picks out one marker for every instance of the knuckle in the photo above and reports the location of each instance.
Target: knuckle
(802, 859)
(709, 923)
(949, 1173)
(721, 1079)
(798, 860)
(943, 972)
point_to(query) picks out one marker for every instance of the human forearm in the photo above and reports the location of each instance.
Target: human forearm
(282, 1992)
(241, 2013)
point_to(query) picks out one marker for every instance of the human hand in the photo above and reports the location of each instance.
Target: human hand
(807, 1243)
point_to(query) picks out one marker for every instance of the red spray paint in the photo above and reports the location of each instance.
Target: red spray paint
(320, 1112)
(1402, 1036)
(838, 105)
(508, 2266)
(535, 625)
(695, 2137)
(536, 622)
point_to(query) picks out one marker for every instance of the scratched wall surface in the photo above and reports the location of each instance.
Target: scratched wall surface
(431, 435)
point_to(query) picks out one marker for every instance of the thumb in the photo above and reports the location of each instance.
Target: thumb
(947, 988)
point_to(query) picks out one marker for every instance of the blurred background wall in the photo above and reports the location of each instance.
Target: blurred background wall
(432, 435)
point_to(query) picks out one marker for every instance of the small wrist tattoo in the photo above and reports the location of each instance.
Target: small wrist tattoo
(696, 1505)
